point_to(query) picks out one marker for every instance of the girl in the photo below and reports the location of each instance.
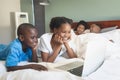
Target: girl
(57, 43)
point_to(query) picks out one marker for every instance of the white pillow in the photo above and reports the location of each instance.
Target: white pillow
(109, 29)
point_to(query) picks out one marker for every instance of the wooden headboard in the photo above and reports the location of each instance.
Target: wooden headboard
(104, 24)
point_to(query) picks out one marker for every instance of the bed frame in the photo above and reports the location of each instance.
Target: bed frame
(104, 24)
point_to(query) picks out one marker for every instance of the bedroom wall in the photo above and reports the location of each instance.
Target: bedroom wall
(27, 6)
(6, 28)
(88, 10)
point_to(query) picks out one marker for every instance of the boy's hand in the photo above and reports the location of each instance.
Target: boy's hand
(38, 67)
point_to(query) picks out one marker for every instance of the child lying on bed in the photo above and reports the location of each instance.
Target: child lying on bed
(54, 45)
(23, 49)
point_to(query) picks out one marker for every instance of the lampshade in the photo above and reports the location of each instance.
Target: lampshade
(44, 2)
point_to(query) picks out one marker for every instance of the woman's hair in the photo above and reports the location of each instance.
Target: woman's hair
(56, 22)
(22, 28)
(82, 22)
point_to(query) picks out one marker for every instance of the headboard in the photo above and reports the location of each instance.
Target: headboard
(104, 24)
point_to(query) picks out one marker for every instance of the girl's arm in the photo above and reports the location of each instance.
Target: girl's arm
(70, 51)
(46, 57)
(56, 43)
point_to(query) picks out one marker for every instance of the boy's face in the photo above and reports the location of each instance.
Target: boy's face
(30, 38)
(64, 31)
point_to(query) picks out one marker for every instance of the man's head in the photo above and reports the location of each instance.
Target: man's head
(27, 34)
(95, 28)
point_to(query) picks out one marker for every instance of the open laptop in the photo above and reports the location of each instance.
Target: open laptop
(75, 67)
(94, 57)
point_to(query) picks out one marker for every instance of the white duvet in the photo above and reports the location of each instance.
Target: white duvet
(30, 74)
(110, 70)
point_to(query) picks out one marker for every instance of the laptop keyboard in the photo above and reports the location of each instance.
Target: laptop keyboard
(70, 66)
(77, 71)
(73, 67)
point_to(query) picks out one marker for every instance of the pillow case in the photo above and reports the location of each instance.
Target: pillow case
(108, 29)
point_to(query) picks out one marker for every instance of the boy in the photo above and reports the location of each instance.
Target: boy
(23, 49)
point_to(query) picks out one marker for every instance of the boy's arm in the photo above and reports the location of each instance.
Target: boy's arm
(30, 66)
(34, 55)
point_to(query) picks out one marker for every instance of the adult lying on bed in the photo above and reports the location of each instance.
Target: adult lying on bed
(23, 49)
(81, 28)
(95, 28)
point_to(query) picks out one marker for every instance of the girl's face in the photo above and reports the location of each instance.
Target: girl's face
(80, 29)
(64, 31)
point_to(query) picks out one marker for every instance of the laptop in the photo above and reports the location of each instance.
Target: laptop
(75, 67)
(94, 58)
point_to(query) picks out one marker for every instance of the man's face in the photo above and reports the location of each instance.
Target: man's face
(30, 38)
(95, 29)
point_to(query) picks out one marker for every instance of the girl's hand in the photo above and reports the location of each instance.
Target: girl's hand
(66, 40)
(58, 39)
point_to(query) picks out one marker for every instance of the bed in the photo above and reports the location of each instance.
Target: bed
(110, 30)
(54, 74)
(86, 42)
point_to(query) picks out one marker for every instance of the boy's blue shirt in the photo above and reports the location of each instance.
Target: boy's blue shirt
(15, 53)
(2, 54)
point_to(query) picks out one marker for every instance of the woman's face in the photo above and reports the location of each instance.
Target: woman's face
(64, 31)
(80, 29)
